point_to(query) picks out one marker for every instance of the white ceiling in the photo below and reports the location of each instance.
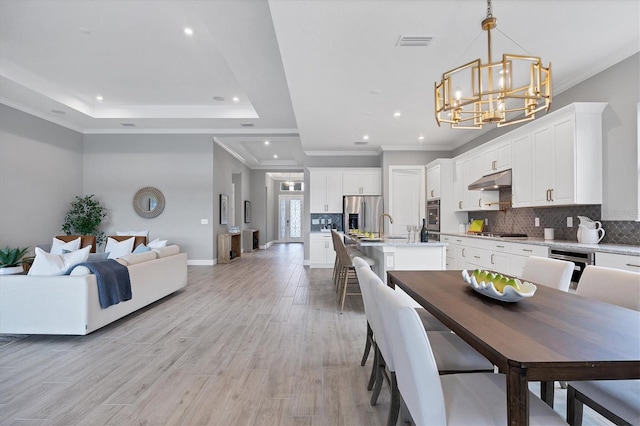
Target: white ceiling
(311, 76)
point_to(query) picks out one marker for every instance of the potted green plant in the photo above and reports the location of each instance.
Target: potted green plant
(85, 217)
(11, 260)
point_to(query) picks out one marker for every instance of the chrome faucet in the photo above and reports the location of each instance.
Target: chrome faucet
(381, 223)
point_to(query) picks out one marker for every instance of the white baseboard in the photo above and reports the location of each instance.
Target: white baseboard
(269, 244)
(203, 262)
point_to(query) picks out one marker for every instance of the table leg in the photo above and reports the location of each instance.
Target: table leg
(547, 392)
(517, 397)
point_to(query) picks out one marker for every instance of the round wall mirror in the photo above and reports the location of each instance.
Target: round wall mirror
(148, 202)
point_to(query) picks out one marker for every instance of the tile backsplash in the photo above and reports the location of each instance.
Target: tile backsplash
(522, 220)
(321, 221)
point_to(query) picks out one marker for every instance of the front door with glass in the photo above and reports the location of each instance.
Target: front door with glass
(290, 218)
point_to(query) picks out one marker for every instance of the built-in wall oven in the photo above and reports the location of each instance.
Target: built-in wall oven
(580, 259)
(433, 215)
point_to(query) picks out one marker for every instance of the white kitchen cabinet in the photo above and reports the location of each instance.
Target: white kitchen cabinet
(325, 190)
(363, 181)
(522, 172)
(496, 157)
(618, 261)
(321, 253)
(561, 164)
(458, 186)
(433, 182)
(520, 253)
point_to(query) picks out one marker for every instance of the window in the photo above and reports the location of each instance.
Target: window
(292, 186)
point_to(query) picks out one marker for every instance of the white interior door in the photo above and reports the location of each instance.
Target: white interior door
(406, 197)
(290, 218)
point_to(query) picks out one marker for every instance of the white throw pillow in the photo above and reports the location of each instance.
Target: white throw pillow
(157, 243)
(117, 249)
(58, 245)
(57, 264)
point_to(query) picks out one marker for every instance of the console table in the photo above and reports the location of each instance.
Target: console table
(229, 247)
(251, 239)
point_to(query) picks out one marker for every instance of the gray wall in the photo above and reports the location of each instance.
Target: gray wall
(618, 85)
(181, 166)
(40, 174)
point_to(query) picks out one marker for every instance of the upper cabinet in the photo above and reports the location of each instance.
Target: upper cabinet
(496, 156)
(467, 169)
(559, 160)
(325, 190)
(362, 181)
(433, 182)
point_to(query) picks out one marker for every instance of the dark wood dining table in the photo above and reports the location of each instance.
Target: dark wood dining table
(553, 335)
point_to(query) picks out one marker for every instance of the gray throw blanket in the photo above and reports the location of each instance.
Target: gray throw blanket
(114, 284)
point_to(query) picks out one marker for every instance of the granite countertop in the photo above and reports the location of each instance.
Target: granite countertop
(393, 241)
(563, 244)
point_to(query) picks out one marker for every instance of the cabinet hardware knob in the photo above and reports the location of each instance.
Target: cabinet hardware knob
(631, 264)
(492, 262)
(527, 250)
(463, 253)
(551, 194)
(479, 202)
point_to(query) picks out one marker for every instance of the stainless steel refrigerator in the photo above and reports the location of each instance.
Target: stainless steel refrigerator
(362, 213)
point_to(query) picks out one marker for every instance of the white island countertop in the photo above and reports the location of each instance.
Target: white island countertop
(395, 253)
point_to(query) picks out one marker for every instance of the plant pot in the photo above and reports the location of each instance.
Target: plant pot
(11, 270)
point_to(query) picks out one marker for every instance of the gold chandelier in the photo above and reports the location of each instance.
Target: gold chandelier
(505, 92)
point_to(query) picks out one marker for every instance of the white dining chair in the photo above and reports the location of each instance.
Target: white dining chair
(452, 354)
(616, 400)
(553, 273)
(455, 399)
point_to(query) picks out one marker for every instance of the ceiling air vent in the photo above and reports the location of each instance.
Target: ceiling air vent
(360, 142)
(128, 124)
(414, 41)
(246, 124)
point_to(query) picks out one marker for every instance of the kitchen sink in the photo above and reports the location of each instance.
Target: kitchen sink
(396, 237)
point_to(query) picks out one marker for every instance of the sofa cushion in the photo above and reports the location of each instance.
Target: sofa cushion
(157, 243)
(58, 245)
(135, 258)
(118, 249)
(80, 270)
(167, 251)
(144, 233)
(54, 264)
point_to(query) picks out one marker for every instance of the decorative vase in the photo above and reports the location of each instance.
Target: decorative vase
(11, 270)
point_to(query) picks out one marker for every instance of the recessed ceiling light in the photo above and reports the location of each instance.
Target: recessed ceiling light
(266, 142)
(235, 99)
(99, 98)
(275, 155)
(376, 91)
(188, 31)
(365, 137)
(218, 98)
(57, 111)
(420, 138)
(397, 114)
(84, 30)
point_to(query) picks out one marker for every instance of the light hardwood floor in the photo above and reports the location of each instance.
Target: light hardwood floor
(255, 342)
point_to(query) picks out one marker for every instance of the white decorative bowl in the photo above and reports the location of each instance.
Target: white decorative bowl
(510, 293)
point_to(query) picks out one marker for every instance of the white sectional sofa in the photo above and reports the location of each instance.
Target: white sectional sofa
(69, 304)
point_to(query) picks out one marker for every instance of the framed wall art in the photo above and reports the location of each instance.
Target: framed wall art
(247, 212)
(224, 209)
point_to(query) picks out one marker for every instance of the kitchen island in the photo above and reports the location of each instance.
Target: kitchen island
(395, 253)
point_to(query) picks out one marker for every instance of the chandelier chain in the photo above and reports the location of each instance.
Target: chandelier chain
(489, 14)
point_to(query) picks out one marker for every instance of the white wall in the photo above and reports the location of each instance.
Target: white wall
(181, 166)
(40, 174)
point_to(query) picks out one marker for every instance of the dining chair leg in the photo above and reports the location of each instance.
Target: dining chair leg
(344, 289)
(394, 409)
(367, 346)
(374, 367)
(574, 408)
(379, 367)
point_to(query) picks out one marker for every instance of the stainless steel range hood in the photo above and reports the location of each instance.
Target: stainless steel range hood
(492, 182)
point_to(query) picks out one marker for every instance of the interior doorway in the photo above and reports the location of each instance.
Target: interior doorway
(290, 214)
